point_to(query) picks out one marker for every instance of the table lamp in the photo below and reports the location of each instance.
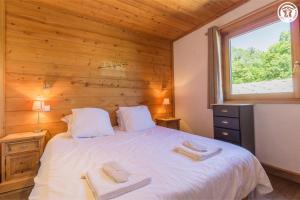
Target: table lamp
(166, 102)
(38, 106)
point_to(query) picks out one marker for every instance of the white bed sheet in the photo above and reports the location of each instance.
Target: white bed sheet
(232, 174)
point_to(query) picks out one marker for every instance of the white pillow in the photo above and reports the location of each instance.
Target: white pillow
(136, 118)
(90, 122)
(120, 119)
(67, 119)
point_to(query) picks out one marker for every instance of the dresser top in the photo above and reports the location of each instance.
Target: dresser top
(233, 104)
(22, 136)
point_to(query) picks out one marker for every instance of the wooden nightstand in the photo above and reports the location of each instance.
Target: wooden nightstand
(20, 155)
(173, 123)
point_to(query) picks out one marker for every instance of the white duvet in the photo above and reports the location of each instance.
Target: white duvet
(232, 174)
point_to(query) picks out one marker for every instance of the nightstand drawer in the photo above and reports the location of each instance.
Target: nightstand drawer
(173, 123)
(21, 165)
(227, 135)
(226, 122)
(22, 146)
(226, 111)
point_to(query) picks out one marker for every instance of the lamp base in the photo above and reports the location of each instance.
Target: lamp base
(38, 130)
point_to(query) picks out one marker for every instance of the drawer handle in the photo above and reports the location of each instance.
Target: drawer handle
(225, 133)
(224, 122)
(224, 110)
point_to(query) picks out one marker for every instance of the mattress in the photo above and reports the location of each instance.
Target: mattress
(232, 174)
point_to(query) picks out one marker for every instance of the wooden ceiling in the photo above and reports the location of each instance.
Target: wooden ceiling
(169, 19)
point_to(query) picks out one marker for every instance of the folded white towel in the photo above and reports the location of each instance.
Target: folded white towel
(116, 172)
(197, 156)
(104, 188)
(195, 146)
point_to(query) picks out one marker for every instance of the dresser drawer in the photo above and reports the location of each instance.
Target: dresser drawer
(227, 135)
(22, 146)
(226, 122)
(226, 111)
(21, 165)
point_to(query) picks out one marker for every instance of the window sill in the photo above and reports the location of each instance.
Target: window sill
(263, 101)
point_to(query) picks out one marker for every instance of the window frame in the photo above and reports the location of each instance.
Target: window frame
(252, 21)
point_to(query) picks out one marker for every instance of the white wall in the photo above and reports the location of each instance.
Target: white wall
(277, 127)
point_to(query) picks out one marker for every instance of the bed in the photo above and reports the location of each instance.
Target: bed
(232, 174)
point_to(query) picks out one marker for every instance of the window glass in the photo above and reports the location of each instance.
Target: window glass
(261, 60)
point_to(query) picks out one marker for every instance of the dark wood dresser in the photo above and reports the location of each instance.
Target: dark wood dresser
(234, 123)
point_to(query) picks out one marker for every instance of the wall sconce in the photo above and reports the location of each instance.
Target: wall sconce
(46, 88)
(46, 85)
(164, 84)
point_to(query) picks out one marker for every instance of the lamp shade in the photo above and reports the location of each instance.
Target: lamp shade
(38, 105)
(166, 101)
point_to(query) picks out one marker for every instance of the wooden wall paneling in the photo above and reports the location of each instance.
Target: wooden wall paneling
(143, 8)
(170, 19)
(93, 53)
(86, 64)
(60, 19)
(2, 66)
(121, 16)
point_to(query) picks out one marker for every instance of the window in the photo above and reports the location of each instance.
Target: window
(261, 60)
(259, 53)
